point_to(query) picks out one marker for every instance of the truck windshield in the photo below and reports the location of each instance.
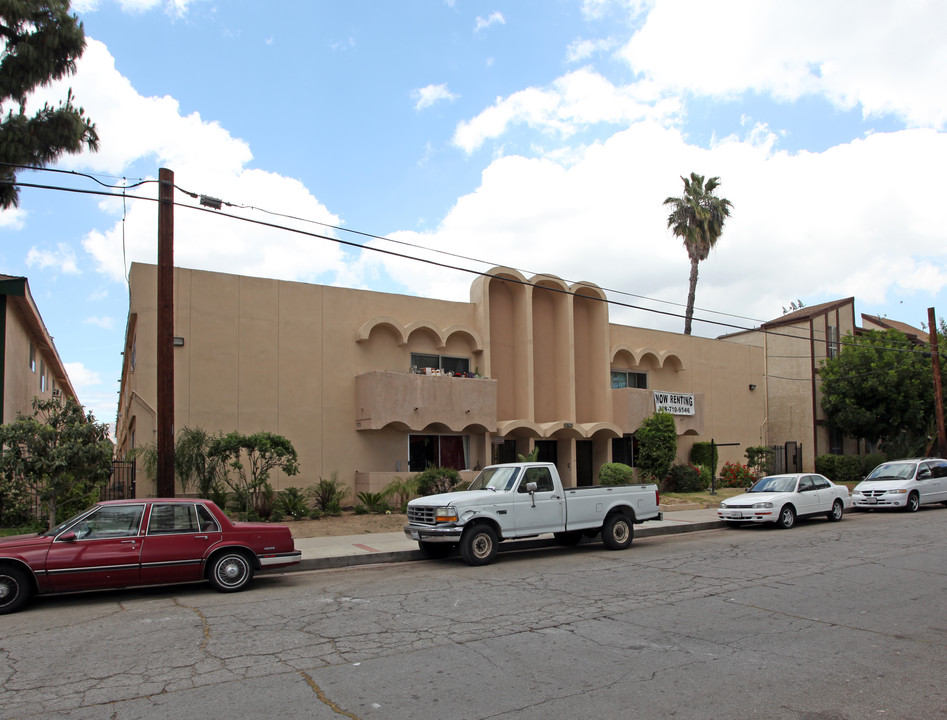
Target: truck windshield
(495, 478)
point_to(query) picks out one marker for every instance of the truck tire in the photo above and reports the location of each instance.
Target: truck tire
(478, 545)
(618, 532)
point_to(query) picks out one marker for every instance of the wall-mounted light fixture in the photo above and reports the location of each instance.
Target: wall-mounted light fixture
(178, 342)
(752, 386)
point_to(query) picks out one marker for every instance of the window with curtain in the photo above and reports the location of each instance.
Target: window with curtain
(449, 451)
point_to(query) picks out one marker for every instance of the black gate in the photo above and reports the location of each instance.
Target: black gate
(788, 458)
(121, 486)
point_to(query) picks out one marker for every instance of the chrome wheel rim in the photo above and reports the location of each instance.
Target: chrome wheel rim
(232, 571)
(8, 589)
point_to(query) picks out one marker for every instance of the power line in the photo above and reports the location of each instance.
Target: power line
(212, 205)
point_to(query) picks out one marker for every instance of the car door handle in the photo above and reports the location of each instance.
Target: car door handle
(200, 537)
(126, 542)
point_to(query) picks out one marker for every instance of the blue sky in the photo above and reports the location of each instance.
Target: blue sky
(537, 134)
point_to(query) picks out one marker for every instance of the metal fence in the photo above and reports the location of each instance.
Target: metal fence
(122, 483)
(787, 458)
(121, 486)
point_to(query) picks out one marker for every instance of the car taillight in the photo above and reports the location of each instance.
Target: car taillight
(657, 498)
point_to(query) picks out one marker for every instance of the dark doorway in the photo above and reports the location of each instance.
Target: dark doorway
(548, 451)
(505, 453)
(583, 462)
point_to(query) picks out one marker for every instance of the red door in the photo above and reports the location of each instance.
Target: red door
(178, 539)
(100, 551)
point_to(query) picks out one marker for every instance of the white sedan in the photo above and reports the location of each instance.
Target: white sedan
(783, 498)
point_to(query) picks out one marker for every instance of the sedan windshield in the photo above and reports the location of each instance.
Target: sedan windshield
(889, 471)
(777, 483)
(495, 478)
(53, 532)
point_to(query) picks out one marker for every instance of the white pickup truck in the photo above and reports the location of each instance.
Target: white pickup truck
(520, 500)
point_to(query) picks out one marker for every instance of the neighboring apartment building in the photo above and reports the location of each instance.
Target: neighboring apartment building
(375, 386)
(793, 347)
(31, 367)
(916, 336)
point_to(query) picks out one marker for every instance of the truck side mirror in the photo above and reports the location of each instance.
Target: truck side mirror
(531, 487)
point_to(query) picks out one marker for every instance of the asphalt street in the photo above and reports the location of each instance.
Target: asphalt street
(821, 622)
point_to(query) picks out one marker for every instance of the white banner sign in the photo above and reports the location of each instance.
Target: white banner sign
(674, 403)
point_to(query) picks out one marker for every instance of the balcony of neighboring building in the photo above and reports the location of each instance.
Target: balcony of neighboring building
(417, 401)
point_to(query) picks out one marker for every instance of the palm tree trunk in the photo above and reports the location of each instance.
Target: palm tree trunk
(691, 293)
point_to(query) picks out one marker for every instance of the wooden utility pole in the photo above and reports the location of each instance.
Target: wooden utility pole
(165, 387)
(938, 388)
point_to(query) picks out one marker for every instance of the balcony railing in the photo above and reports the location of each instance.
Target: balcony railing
(419, 401)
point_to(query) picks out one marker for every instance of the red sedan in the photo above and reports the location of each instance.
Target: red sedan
(123, 543)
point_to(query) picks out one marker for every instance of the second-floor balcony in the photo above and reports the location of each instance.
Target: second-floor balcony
(419, 401)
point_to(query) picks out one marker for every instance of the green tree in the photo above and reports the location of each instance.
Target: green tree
(41, 42)
(192, 460)
(880, 386)
(60, 453)
(247, 461)
(657, 446)
(697, 217)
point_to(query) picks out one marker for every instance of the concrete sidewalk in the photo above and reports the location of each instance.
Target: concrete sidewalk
(370, 548)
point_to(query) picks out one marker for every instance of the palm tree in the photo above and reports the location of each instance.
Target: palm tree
(697, 218)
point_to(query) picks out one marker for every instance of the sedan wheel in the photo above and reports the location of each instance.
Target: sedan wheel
(787, 517)
(231, 572)
(835, 514)
(15, 589)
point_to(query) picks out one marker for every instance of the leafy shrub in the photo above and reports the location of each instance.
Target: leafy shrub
(687, 478)
(373, 502)
(840, 468)
(327, 494)
(616, 474)
(436, 480)
(657, 446)
(400, 491)
(217, 494)
(736, 475)
(254, 504)
(759, 459)
(292, 502)
(360, 509)
(706, 454)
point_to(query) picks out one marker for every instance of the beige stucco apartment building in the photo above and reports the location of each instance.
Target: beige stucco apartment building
(30, 366)
(374, 386)
(794, 346)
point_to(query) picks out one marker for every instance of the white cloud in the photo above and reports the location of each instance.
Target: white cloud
(13, 218)
(106, 323)
(430, 94)
(884, 58)
(492, 19)
(574, 101)
(811, 225)
(63, 259)
(583, 49)
(205, 159)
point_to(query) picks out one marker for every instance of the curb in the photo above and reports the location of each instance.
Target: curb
(397, 556)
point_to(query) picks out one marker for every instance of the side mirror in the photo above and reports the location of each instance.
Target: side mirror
(67, 536)
(531, 487)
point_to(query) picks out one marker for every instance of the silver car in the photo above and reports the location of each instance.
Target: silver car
(904, 484)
